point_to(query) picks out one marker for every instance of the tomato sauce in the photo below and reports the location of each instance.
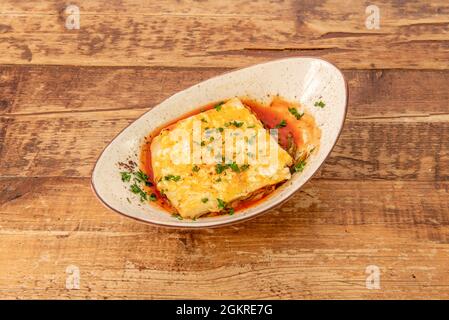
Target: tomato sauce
(272, 116)
(145, 166)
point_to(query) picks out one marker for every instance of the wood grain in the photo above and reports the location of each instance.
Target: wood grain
(412, 34)
(380, 199)
(69, 146)
(330, 243)
(420, 95)
(401, 135)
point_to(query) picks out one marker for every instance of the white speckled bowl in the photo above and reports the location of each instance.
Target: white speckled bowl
(299, 79)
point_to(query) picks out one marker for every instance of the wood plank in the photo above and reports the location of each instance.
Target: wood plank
(331, 232)
(163, 7)
(397, 120)
(226, 34)
(52, 204)
(27, 90)
(85, 89)
(37, 270)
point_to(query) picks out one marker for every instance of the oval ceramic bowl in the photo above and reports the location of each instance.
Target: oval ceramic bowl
(305, 80)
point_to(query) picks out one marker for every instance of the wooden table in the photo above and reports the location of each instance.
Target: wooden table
(381, 199)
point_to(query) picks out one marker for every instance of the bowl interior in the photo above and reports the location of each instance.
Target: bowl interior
(305, 80)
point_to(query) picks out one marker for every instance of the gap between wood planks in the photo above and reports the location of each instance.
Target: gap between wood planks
(430, 117)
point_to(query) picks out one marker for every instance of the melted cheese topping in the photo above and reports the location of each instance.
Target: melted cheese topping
(195, 188)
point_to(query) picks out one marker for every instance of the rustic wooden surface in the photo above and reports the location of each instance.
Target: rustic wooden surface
(382, 198)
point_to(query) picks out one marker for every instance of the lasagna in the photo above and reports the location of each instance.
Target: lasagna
(211, 161)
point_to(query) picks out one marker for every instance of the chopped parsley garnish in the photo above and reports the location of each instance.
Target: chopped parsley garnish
(320, 104)
(281, 124)
(252, 126)
(153, 197)
(136, 190)
(126, 176)
(219, 168)
(299, 167)
(221, 204)
(218, 106)
(204, 200)
(139, 178)
(295, 112)
(177, 216)
(218, 180)
(220, 129)
(203, 143)
(172, 177)
(195, 168)
(203, 120)
(142, 177)
(234, 123)
(224, 206)
(211, 139)
(234, 167)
